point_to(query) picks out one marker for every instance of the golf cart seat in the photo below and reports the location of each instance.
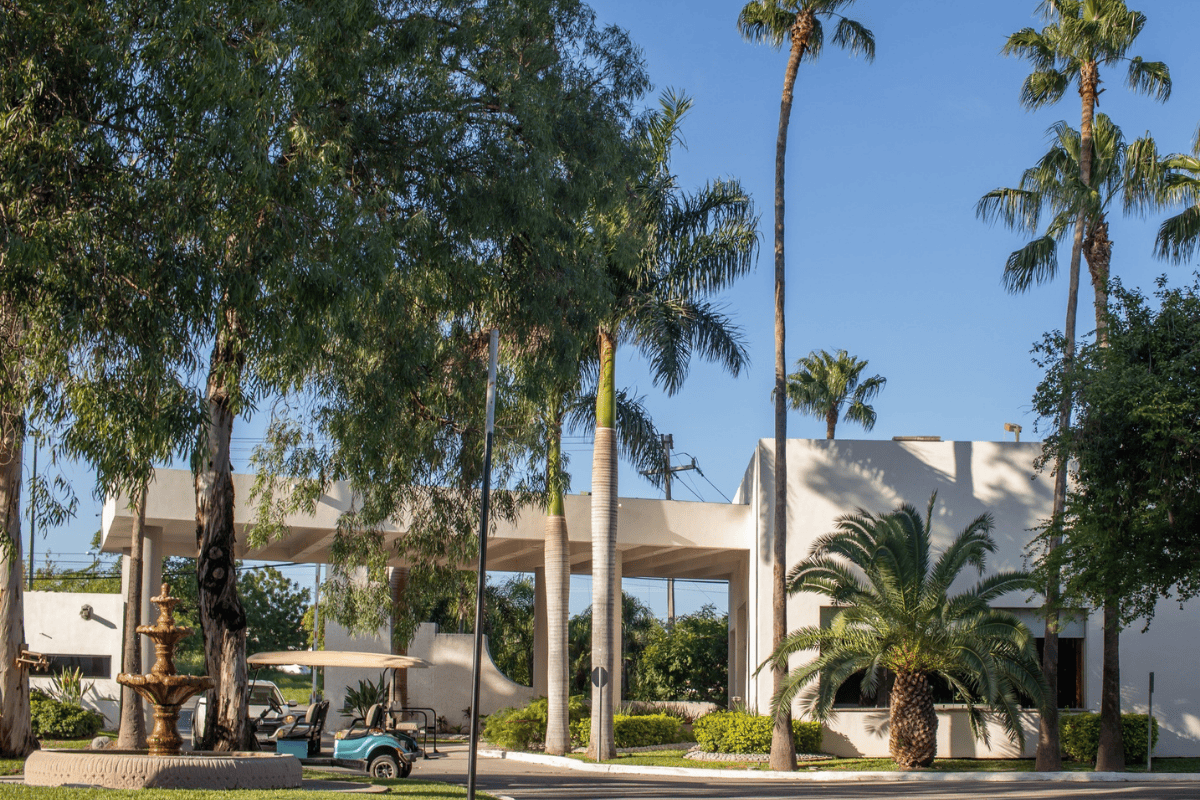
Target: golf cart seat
(372, 722)
(308, 728)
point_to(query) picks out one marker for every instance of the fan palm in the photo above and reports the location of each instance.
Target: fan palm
(801, 24)
(823, 384)
(1167, 181)
(1081, 37)
(692, 245)
(895, 614)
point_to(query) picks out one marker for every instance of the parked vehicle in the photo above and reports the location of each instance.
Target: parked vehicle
(372, 743)
(267, 710)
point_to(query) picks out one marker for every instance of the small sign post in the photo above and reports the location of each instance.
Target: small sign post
(600, 680)
(1150, 726)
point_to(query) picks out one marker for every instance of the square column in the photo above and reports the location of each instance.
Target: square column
(618, 685)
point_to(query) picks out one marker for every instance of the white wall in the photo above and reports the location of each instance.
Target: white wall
(53, 625)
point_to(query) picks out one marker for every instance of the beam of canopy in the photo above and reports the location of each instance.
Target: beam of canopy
(334, 658)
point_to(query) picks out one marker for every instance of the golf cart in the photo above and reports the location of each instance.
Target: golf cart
(382, 743)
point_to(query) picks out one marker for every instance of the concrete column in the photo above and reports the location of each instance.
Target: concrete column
(152, 556)
(619, 645)
(739, 667)
(541, 650)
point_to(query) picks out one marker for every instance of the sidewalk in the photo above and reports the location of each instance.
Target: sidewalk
(829, 776)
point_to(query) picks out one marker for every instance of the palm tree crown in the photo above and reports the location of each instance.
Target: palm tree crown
(1168, 181)
(895, 614)
(824, 384)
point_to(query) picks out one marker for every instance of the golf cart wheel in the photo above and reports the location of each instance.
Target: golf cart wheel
(384, 765)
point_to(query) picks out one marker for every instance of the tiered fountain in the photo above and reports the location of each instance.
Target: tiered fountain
(164, 766)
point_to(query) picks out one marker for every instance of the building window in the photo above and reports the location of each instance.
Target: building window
(91, 666)
(1070, 670)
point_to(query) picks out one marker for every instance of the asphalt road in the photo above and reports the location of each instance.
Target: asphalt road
(522, 781)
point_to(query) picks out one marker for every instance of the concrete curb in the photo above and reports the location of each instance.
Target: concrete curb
(826, 776)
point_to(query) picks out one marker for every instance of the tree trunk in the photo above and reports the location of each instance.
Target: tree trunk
(783, 748)
(1111, 755)
(1049, 749)
(830, 423)
(132, 731)
(398, 585)
(913, 721)
(558, 588)
(1097, 249)
(16, 728)
(222, 617)
(606, 603)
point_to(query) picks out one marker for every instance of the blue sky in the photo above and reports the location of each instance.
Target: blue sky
(885, 256)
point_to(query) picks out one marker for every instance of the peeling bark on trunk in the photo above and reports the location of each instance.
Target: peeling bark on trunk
(132, 731)
(913, 722)
(1110, 757)
(1097, 249)
(16, 728)
(830, 423)
(222, 617)
(606, 599)
(783, 750)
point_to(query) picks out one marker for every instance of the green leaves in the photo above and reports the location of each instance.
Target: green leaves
(824, 384)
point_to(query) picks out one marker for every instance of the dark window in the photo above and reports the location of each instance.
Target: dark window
(1070, 671)
(92, 666)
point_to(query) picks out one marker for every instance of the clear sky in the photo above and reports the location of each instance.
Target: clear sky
(885, 256)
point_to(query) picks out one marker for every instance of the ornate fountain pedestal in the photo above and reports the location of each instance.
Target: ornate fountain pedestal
(164, 766)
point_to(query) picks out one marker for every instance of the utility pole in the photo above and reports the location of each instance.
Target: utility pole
(315, 695)
(668, 441)
(32, 512)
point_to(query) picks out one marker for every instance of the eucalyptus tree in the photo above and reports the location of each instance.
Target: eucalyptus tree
(1081, 37)
(800, 24)
(87, 275)
(823, 384)
(692, 245)
(483, 203)
(895, 613)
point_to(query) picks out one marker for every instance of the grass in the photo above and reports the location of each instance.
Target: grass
(674, 758)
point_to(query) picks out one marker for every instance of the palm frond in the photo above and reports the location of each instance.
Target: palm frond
(765, 22)
(1044, 88)
(1178, 236)
(855, 37)
(1151, 78)
(1036, 262)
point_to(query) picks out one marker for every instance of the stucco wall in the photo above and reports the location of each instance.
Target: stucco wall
(53, 625)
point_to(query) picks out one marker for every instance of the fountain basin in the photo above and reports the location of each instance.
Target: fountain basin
(137, 769)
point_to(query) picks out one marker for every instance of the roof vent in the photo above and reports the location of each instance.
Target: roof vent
(916, 438)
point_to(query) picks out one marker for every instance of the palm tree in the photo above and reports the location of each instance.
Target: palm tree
(822, 385)
(800, 23)
(1054, 186)
(1171, 180)
(1082, 36)
(693, 245)
(895, 616)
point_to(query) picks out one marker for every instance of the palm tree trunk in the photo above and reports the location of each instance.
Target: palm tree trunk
(131, 734)
(783, 750)
(222, 617)
(1049, 756)
(1098, 251)
(830, 423)
(16, 728)
(558, 586)
(605, 597)
(398, 587)
(912, 721)
(1110, 757)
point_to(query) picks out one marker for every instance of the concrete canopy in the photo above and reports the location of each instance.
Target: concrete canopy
(656, 538)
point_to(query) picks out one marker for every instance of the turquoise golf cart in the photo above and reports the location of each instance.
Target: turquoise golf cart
(383, 743)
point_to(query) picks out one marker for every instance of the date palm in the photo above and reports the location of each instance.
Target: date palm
(895, 615)
(801, 25)
(1082, 36)
(690, 246)
(824, 384)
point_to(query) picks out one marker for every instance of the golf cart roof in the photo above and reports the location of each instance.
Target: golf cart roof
(334, 658)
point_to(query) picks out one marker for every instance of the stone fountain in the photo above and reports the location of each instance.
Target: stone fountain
(164, 765)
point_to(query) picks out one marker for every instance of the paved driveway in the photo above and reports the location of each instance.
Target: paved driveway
(524, 781)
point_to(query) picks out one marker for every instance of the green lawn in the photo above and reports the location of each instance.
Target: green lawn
(674, 758)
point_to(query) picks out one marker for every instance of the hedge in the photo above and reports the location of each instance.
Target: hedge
(518, 728)
(739, 732)
(1080, 736)
(53, 719)
(643, 730)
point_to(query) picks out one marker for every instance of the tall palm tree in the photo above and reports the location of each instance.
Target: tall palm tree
(895, 615)
(823, 384)
(800, 23)
(1168, 181)
(693, 245)
(1082, 36)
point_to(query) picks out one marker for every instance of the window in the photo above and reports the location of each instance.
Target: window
(92, 666)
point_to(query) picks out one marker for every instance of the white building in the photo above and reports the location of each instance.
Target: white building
(732, 542)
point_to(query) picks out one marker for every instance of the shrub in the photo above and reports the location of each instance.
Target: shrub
(54, 719)
(359, 700)
(1080, 736)
(739, 732)
(644, 730)
(518, 728)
